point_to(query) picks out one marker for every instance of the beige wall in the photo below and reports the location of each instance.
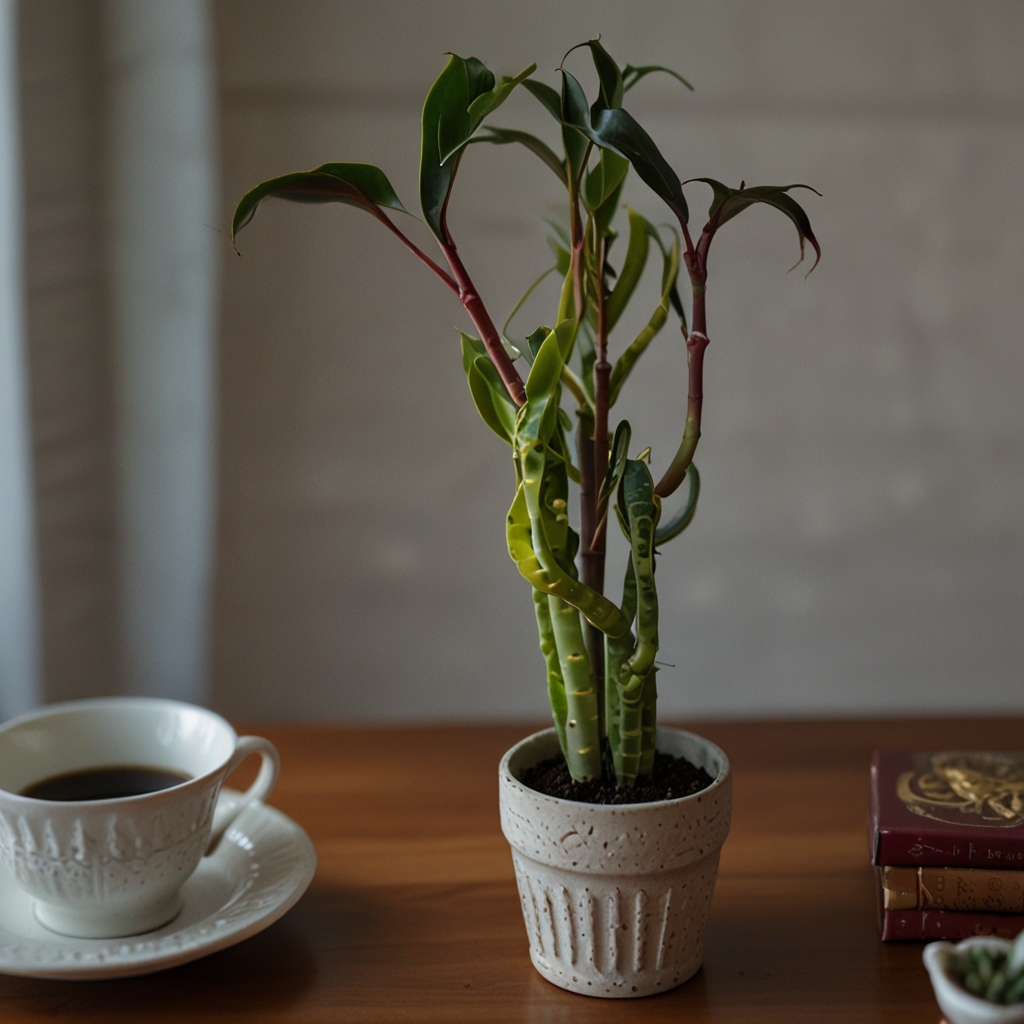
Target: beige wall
(861, 533)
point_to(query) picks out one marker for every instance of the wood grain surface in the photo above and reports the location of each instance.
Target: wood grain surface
(413, 915)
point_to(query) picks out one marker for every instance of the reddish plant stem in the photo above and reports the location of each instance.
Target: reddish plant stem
(470, 299)
(419, 253)
(697, 342)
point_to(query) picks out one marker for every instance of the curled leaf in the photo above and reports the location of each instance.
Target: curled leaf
(728, 202)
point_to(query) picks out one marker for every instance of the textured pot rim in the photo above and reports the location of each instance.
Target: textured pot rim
(938, 956)
(724, 775)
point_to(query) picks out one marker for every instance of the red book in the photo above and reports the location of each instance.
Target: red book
(904, 925)
(948, 809)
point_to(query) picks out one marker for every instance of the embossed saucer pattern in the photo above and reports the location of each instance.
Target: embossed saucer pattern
(258, 872)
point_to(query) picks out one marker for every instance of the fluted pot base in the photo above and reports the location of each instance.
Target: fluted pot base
(616, 897)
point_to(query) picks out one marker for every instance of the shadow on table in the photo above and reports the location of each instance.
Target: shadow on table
(274, 970)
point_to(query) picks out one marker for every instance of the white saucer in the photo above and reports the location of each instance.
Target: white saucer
(261, 867)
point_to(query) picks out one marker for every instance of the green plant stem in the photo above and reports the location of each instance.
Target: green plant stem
(582, 736)
(696, 343)
(594, 552)
(474, 306)
(549, 648)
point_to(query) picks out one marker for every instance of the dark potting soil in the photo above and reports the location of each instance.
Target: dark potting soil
(672, 777)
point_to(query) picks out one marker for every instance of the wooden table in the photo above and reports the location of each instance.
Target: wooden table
(413, 915)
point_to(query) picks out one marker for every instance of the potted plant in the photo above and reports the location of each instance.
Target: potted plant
(615, 895)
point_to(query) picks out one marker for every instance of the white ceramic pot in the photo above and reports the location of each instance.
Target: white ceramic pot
(958, 1005)
(616, 897)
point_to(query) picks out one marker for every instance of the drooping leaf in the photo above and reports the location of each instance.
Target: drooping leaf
(608, 74)
(617, 130)
(632, 75)
(632, 269)
(505, 136)
(728, 202)
(361, 185)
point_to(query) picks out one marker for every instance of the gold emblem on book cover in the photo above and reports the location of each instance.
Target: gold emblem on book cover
(985, 789)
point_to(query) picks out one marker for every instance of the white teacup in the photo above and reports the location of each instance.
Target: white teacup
(110, 867)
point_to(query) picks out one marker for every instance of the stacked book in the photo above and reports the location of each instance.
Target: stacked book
(947, 843)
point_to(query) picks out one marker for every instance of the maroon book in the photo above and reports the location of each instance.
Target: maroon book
(947, 808)
(907, 925)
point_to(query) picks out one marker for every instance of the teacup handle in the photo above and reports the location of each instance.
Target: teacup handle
(224, 815)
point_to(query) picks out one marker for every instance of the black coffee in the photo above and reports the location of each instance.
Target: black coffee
(104, 783)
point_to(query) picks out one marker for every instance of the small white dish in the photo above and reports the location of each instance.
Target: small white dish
(958, 1005)
(258, 871)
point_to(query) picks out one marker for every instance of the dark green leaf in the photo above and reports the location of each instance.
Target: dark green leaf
(608, 75)
(632, 75)
(548, 96)
(617, 130)
(361, 185)
(575, 114)
(728, 202)
(479, 77)
(573, 143)
(504, 136)
(453, 113)
(435, 179)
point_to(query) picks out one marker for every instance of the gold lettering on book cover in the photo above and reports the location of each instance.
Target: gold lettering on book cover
(983, 789)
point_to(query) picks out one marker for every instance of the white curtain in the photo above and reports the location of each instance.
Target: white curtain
(162, 224)
(20, 685)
